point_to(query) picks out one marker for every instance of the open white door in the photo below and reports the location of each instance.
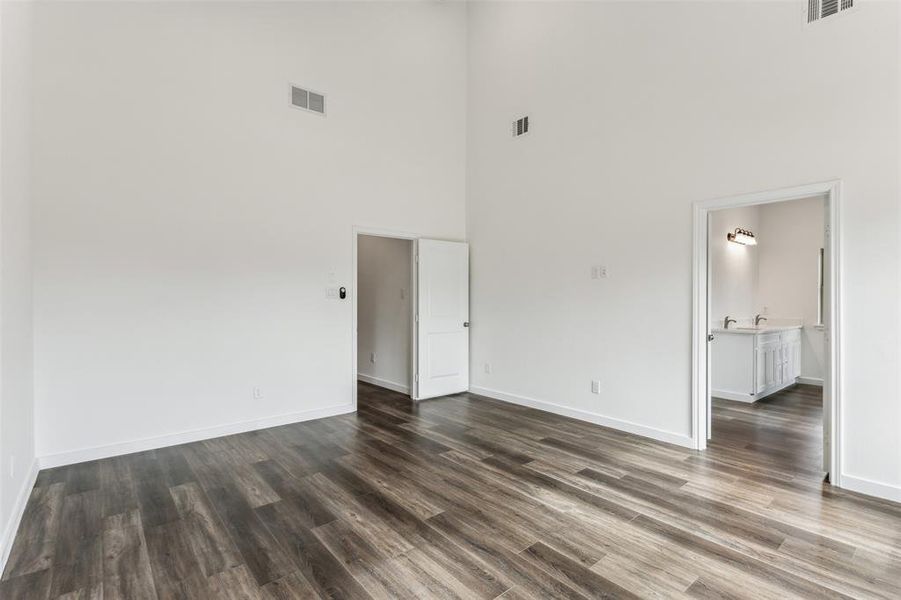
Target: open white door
(442, 328)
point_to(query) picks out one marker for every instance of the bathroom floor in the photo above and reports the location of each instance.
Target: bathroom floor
(782, 432)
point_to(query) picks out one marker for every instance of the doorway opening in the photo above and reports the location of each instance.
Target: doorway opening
(385, 310)
(410, 314)
(766, 327)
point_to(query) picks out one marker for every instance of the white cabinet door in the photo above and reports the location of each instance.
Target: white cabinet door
(796, 360)
(789, 362)
(783, 364)
(760, 375)
(770, 363)
(780, 364)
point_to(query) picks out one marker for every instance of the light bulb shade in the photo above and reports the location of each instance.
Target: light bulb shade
(742, 236)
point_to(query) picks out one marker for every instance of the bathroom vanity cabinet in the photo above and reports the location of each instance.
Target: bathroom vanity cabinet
(750, 363)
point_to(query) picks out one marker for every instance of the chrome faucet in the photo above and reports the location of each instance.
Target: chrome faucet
(758, 319)
(726, 322)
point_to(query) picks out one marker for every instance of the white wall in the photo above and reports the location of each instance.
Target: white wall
(790, 237)
(16, 393)
(734, 269)
(188, 221)
(384, 311)
(637, 110)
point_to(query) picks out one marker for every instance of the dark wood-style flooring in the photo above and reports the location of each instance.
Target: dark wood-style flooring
(462, 497)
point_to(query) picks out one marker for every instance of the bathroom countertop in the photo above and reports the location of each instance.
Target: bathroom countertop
(753, 330)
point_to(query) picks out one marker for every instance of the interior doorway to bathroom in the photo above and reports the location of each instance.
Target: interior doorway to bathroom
(765, 374)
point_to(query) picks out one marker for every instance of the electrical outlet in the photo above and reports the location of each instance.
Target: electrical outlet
(372, 357)
(257, 393)
(595, 386)
(488, 368)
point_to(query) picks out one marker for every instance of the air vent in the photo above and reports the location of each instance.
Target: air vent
(317, 102)
(820, 9)
(307, 100)
(520, 126)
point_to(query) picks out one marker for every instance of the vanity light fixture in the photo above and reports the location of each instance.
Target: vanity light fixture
(742, 236)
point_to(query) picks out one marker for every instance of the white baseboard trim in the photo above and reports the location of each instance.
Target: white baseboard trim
(740, 397)
(735, 396)
(12, 526)
(583, 415)
(196, 435)
(390, 385)
(811, 381)
(869, 487)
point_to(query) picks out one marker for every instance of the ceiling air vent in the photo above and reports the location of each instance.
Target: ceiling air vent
(820, 9)
(307, 100)
(520, 126)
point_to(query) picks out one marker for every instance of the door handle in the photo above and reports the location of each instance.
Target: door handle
(709, 337)
(465, 323)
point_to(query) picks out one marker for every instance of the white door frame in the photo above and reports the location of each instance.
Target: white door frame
(413, 296)
(832, 387)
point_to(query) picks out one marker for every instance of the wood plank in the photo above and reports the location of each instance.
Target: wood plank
(176, 572)
(572, 573)
(257, 546)
(35, 542)
(78, 556)
(126, 565)
(322, 569)
(211, 544)
(290, 587)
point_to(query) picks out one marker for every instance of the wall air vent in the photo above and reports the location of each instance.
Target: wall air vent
(307, 100)
(820, 9)
(520, 126)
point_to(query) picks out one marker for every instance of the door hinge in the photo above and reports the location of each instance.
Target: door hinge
(417, 318)
(416, 377)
